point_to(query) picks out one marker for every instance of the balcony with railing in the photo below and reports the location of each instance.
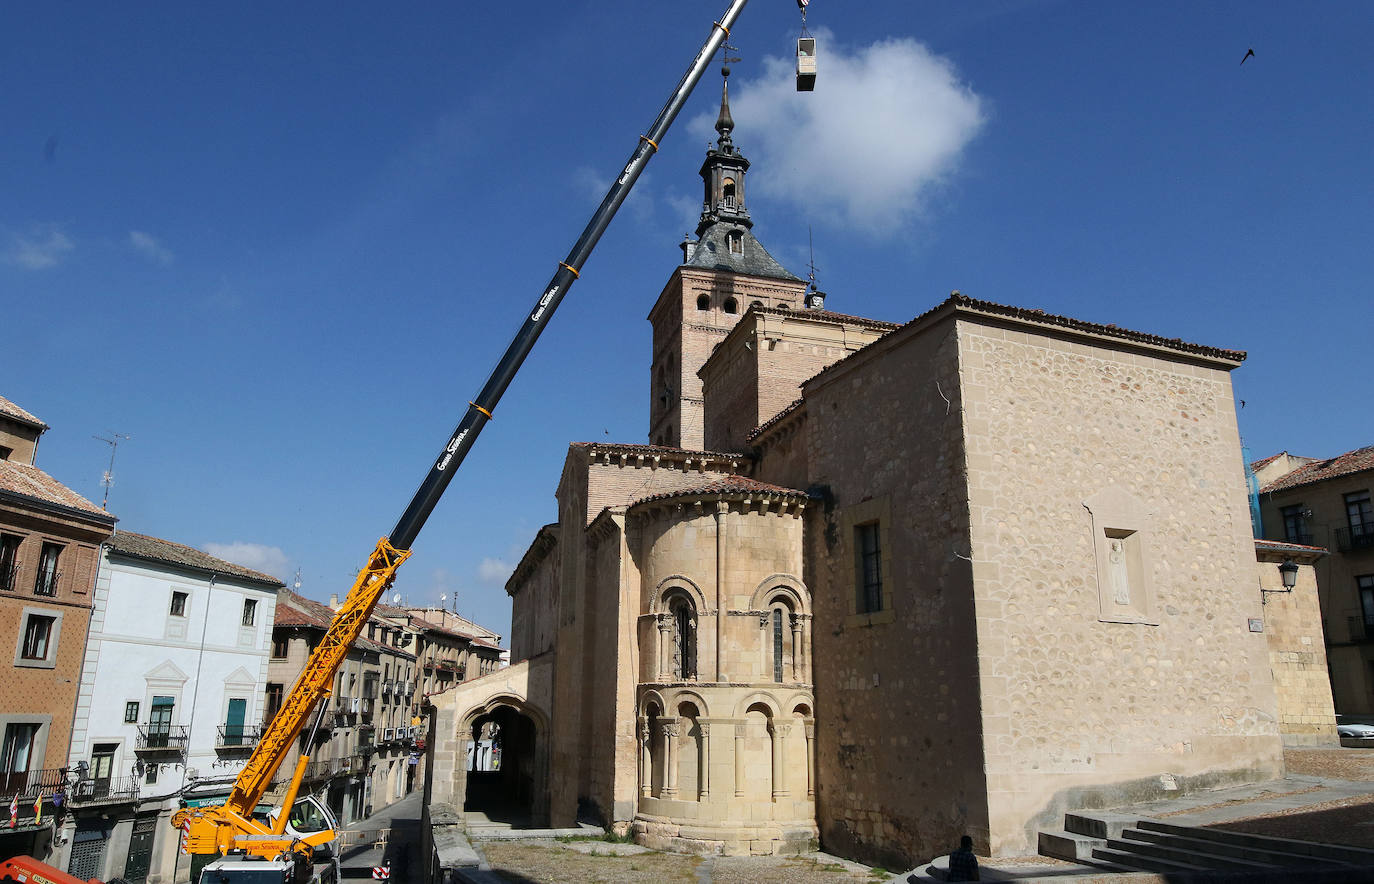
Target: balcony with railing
(46, 584)
(232, 737)
(32, 783)
(104, 790)
(168, 739)
(1359, 538)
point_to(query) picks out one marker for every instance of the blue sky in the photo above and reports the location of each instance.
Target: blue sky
(281, 247)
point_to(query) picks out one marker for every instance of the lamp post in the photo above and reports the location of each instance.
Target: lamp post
(1288, 571)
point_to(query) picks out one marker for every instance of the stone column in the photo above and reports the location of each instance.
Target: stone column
(646, 761)
(810, 727)
(797, 670)
(741, 731)
(722, 515)
(705, 792)
(806, 674)
(780, 732)
(664, 644)
(670, 732)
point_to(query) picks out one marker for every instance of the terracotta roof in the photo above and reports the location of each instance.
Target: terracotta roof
(1281, 546)
(775, 419)
(1257, 465)
(14, 412)
(28, 481)
(426, 626)
(830, 315)
(299, 611)
(728, 485)
(1356, 461)
(618, 448)
(957, 301)
(141, 546)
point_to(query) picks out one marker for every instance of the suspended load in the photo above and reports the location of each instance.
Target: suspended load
(806, 54)
(806, 64)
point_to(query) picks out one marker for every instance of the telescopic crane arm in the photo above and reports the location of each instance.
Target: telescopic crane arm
(231, 825)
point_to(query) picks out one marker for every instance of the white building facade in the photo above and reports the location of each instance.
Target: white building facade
(170, 703)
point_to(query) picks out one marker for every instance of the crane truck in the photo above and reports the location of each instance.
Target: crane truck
(296, 847)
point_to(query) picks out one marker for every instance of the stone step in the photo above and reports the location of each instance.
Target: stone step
(1337, 852)
(1181, 854)
(1149, 863)
(1069, 845)
(1265, 854)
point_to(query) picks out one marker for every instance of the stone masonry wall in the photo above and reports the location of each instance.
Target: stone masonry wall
(898, 744)
(1174, 691)
(1297, 655)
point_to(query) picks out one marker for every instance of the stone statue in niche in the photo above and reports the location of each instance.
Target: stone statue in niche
(1117, 572)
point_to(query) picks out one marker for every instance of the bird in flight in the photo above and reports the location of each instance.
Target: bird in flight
(1249, 53)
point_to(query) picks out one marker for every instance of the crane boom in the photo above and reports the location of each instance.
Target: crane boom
(217, 829)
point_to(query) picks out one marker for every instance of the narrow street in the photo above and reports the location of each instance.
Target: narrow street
(400, 823)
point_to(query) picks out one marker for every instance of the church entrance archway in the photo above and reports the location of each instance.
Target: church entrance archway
(506, 770)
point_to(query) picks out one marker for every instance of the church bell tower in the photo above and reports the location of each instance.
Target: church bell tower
(724, 272)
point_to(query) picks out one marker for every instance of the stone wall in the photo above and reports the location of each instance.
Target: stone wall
(1297, 653)
(533, 589)
(1351, 655)
(898, 738)
(1114, 575)
(760, 367)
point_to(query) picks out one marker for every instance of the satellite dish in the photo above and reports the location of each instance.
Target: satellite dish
(396, 599)
(444, 597)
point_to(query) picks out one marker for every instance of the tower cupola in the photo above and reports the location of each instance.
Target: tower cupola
(723, 171)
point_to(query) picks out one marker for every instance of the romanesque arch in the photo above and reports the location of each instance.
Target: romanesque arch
(504, 752)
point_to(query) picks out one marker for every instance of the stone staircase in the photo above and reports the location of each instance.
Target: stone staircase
(1130, 843)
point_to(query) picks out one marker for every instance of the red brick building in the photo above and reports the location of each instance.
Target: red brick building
(49, 542)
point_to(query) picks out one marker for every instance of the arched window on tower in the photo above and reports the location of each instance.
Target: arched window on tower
(734, 241)
(703, 302)
(728, 192)
(684, 626)
(731, 305)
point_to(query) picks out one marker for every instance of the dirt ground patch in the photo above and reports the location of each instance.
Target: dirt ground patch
(1340, 764)
(524, 862)
(521, 862)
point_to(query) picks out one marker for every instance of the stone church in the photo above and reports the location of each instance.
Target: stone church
(878, 585)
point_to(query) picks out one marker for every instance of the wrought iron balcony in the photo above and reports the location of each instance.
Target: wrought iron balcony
(155, 738)
(46, 584)
(32, 783)
(238, 736)
(1355, 539)
(104, 790)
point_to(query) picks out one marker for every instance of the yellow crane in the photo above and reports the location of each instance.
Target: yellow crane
(232, 828)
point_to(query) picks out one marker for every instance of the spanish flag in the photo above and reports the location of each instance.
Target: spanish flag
(14, 810)
(38, 809)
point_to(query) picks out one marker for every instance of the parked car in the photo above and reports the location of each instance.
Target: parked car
(1359, 731)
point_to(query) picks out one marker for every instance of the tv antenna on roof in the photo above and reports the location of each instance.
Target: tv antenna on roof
(811, 244)
(108, 479)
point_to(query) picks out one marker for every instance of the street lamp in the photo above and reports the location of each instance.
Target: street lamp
(1289, 572)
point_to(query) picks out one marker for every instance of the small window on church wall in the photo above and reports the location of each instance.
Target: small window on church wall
(734, 240)
(870, 567)
(684, 638)
(728, 192)
(777, 645)
(703, 302)
(731, 305)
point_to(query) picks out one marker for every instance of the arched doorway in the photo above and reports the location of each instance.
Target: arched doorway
(505, 773)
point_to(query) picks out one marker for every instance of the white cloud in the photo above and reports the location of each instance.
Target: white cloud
(267, 559)
(150, 247)
(494, 571)
(886, 123)
(42, 247)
